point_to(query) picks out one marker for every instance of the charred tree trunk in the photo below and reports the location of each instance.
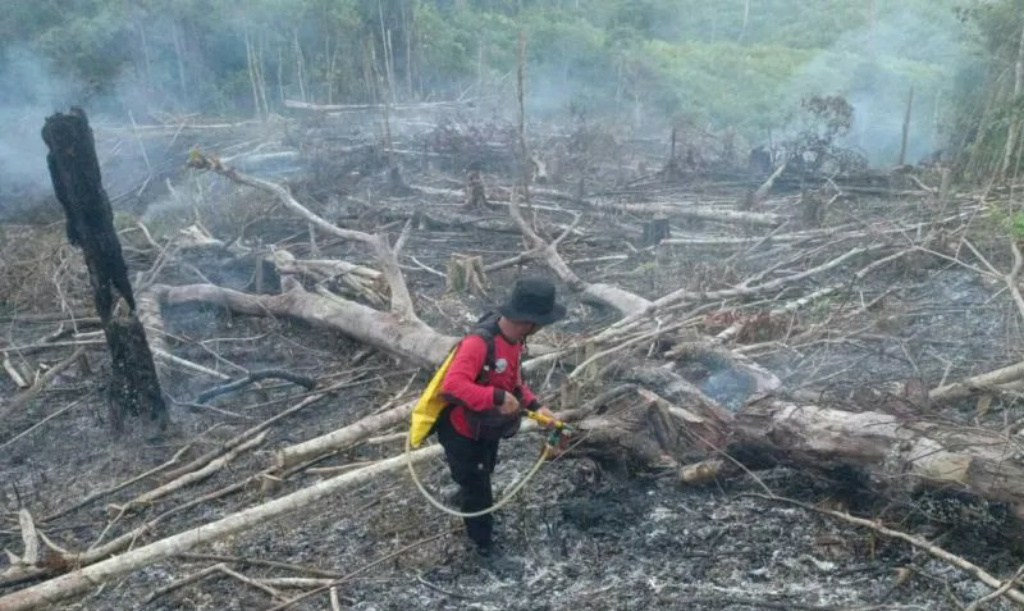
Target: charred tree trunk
(655, 231)
(476, 195)
(672, 172)
(1013, 133)
(906, 129)
(896, 455)
(811, 209)
(75, 171)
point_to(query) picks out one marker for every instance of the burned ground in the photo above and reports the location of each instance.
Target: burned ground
(594, 530)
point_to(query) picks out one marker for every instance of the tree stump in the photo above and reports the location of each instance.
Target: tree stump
(539, 170)
(476, 196)
(812, 209)
(759, 162)
(466, 275)
(75, 172)
(396, 183)
(655, 231)
(944, 186)
(747, 201)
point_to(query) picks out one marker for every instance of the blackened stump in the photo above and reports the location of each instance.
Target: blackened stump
(655, 231)
(75, 172)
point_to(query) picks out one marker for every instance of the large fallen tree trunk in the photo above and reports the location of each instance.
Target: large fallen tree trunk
(408, 338)
(702, 213)
(895, 453)
(82, 580)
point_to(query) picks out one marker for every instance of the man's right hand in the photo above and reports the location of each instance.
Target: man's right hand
(510, 406)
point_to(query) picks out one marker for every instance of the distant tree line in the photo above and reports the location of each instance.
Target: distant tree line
(741, 65)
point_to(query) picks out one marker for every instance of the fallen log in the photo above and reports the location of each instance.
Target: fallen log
(320, 269)
(895, 454)
(702, 213)
(84, 579)
(341, 108)
(401, 300)
(981, 382)
(344, 437)
(408, 338)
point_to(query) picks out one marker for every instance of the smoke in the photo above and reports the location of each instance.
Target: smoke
(31, 89)
(753, 86)
(28, 94)
(875, 68)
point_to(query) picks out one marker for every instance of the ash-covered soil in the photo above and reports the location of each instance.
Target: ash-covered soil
(583, 535)
(624, 541)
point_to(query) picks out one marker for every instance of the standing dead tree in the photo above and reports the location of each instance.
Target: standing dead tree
(906, 128)
(75, 171)
(1013, 133)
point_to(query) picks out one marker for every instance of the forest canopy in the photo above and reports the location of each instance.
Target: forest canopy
(740, 65)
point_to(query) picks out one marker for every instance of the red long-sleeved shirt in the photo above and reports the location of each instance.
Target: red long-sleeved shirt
(464, 389)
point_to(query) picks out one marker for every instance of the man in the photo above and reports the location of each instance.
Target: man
(485, 392)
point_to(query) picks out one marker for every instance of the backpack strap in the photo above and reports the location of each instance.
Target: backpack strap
(487, 328)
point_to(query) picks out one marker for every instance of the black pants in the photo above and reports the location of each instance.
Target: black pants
(471, 463)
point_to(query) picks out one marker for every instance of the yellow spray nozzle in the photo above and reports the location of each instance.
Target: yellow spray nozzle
(547, 420)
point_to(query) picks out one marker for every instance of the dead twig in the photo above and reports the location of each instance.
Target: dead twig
(433, 586)
(209, 571)
(1003, 589)
(55, 414)
(98, 495)
(263, 563)
(16, 377)
(305, 381)
(198, 463)
(259, 585)
(195, 476)
(40, 384)
(361, 569)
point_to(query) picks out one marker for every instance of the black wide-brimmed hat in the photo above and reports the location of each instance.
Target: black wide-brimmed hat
(533, 300)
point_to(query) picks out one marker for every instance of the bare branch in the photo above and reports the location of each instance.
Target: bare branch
(624, 301)
(401, 300)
